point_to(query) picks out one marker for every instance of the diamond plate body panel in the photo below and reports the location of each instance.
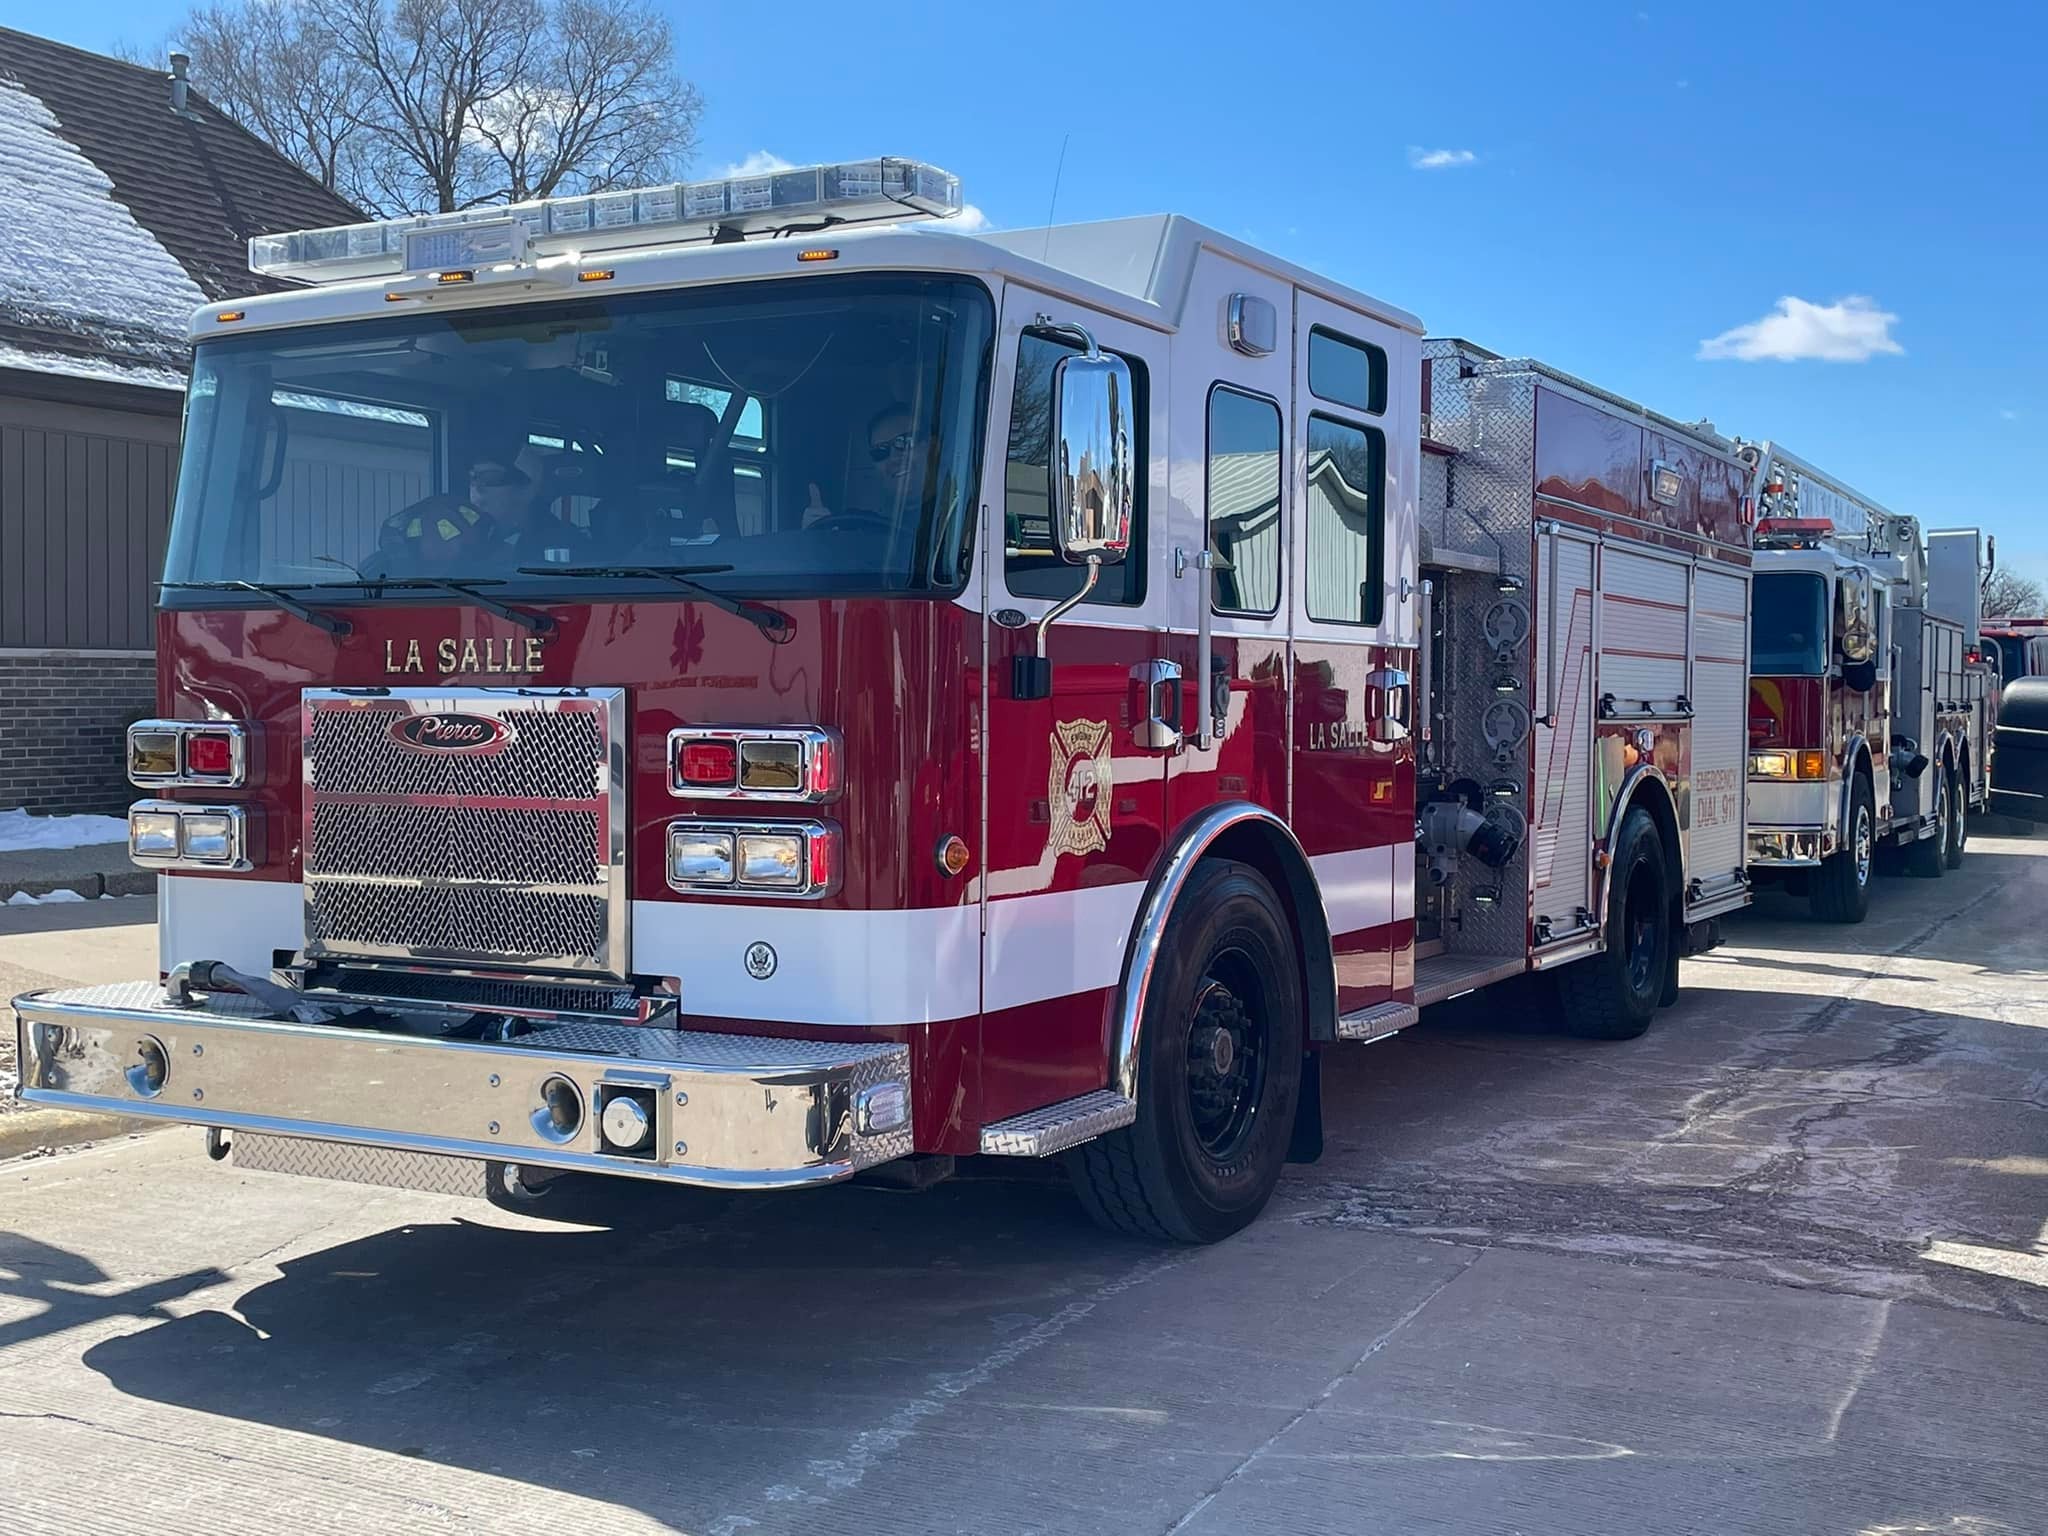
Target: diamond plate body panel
(1058, 1127)
(1378, 1021)
(732, 1111)
(513, 854)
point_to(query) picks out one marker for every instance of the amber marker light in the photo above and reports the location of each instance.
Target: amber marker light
(952, 856)
(817, 255)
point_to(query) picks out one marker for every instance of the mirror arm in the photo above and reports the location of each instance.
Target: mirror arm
(1059, 609)
(1046, 325)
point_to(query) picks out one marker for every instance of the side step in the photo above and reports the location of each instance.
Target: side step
(1055, 1128)
(1377, 1022)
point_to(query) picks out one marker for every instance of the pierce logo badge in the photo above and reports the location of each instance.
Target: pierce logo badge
(451, 734)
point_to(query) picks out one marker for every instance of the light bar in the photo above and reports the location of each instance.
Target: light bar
(812, 196)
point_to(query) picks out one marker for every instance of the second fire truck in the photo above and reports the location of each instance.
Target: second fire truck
(642, 696)
(1869, 717)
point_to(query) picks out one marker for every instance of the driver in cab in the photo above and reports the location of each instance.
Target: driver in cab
(503, 522)
(881, 491)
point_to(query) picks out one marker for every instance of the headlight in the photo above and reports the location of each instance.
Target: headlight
(153, 834)
(772, 858)
(728, 858)
(1809, 763)
(699, 857)
(209, 837)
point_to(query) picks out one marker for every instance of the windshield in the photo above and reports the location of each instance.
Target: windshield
(815, 436)
(1788, 625)
(2012, 655)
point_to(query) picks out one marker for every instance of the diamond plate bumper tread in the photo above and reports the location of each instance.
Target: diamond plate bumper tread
(361, 1165)
(1377, 1021)
(1057, 1127)
(727, 1111)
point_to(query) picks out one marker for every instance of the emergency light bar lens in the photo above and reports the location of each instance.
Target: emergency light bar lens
(210, 753)
(708, 764)
(859, 191)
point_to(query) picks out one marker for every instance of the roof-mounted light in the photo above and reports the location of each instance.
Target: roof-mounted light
(804, 198)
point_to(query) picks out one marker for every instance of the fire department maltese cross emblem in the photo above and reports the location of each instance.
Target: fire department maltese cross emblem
(1079, 790)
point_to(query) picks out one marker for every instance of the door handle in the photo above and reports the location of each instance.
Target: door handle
(1156, 707)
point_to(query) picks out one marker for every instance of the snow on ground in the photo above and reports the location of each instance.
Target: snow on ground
(20, 831)
(23, 899)
(66, 245)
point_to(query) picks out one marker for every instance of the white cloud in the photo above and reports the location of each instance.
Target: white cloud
(1850, 330)
(1439, 159)
(759, 163)
(968, 220)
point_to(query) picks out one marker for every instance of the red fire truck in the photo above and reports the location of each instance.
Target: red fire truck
(1868, 717)
(643, 696)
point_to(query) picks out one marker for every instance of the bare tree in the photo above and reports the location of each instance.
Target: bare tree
(414, 106)
(2010, 593)
(275, 68)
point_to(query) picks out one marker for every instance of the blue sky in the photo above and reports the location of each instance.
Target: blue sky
(1605, 187)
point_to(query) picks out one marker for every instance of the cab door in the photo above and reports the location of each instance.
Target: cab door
(1076, 781)
(1354, 450)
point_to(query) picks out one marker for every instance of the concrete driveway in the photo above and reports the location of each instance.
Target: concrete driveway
(1780, 1266)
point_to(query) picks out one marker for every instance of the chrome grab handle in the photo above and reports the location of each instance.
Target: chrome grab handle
(1205, 720)
(1153, 730)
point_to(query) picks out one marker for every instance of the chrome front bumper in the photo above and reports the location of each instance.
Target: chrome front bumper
(1783, 849)
(730, 1111)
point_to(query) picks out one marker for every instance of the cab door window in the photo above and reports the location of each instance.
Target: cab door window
(1346, 522)
(1032, 566)
(1244, 503)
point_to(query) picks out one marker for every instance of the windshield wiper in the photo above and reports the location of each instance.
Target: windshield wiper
(282, 596)
(772, 622)
(538, 623)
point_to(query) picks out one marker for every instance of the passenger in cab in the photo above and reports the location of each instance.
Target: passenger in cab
(504, 519)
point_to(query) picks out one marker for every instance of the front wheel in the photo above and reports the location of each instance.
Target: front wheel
(1841, 886)
(1613, 995)
(1219, 1070)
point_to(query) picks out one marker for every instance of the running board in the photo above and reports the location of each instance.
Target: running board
(1055, 1128)
(1377, 1022)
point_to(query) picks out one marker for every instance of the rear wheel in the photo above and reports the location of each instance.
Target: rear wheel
(1613, 995)
(1959, 828)
(1219, 1072)
(1841, 887)
(1927, 858)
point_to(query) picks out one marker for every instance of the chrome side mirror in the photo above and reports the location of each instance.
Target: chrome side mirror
(1091, 459)
(1091, 493)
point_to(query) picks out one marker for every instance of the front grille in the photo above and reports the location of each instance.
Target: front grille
(501, 856)
(483, 992)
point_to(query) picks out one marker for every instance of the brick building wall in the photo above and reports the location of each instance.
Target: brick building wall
(64, 724)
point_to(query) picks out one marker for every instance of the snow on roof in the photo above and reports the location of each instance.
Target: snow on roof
(75, 262)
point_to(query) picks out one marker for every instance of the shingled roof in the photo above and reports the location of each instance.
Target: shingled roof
(122, 215)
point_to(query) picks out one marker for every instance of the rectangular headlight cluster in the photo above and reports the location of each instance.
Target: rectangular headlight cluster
(1804, 763)
(755, 858)
(791, 763)
(170, 834)
(164, 753)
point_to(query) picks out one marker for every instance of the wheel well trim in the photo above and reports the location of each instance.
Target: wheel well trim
(1857, 751)
(1624, 802)
(1170, 875)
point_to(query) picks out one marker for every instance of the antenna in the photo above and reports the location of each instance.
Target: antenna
(1057, 171)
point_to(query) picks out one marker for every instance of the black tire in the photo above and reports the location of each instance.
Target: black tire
(1613, 995)
(1219, 1071)
(1959, 828)
(1840, 892)
(1927, 857)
